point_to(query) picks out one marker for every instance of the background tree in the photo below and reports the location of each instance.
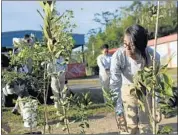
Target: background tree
(114, 23)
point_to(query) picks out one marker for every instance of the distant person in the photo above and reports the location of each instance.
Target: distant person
(125, 63)
(104, 62)
(57, 82)
(4, 65)
(17, 87)
(28, 39)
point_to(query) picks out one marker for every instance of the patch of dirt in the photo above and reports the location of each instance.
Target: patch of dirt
(103, 123)
(106, 124)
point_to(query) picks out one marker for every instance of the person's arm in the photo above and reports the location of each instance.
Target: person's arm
(116, 81)
(100, 64)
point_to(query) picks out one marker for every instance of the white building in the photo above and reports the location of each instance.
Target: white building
(167, 47)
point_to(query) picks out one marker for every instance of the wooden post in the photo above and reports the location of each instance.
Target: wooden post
(154, 68)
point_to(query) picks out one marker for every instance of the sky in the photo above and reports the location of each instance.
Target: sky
(22, 15)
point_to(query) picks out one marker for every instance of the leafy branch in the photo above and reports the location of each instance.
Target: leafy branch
(145, 83)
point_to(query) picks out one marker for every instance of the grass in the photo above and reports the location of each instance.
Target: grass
(73, 112)
(16, 123)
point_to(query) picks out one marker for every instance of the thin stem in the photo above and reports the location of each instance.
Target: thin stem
(65, 120)
(154, 69)
(31, 123)
(45, 111)
(67, 128)
(47, 90)
(149, 110)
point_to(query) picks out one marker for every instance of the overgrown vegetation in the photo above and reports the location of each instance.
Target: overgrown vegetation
(114, 23)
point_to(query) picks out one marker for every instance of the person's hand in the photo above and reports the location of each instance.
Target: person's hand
(121, 122)
(120, 117)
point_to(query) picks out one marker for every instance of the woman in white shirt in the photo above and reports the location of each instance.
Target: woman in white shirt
(104, 62)
(125, 63)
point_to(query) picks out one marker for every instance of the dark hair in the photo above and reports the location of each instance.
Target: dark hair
(105, 46)
(139, 38)
(27, 36)
(4, 61)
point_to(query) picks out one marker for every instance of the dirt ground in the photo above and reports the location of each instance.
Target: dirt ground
(103, 123)
(106, 124)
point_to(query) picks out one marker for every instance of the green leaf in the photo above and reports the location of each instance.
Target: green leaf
(81, 125)
(86, 96)
(90, 103)
(168, 79)
(165, 130)
(58, 53)
(168, 90)
(46, 23)
(87, 125)
(141, 105)
(64, 129)
(168, 84)
(72, 122)
(61, 118)
(147, 69)
(42, 4)
(52, 6)
(40, 14)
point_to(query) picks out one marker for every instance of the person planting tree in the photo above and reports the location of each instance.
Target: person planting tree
(125, 63)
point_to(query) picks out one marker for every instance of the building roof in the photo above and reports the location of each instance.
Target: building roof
(165, 39)
(7, 37)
